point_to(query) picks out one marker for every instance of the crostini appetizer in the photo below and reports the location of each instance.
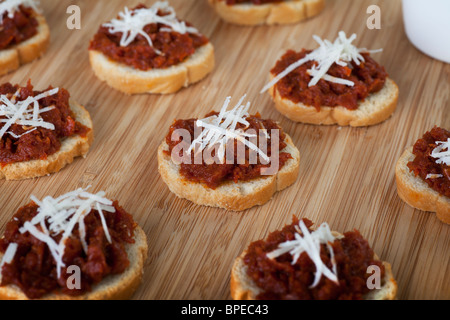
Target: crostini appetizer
(423, 174)
(303, 263)
(258, 12)
(229, 159)
(337, 83)
(24, 34)
(40, 131)
(148, 50)
(47, 241)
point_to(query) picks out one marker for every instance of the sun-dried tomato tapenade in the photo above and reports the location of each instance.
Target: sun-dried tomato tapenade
(22, 26)
(368, 77)
(424, 164)
(175, 47)
(280, 279)
(33, 268)
(42, 142)
(214, 174)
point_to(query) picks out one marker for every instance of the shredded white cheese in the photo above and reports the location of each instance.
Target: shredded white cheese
(25, 113)
(341, 52)
(443, 157)
(310, 243)
(218, 129)
(60, 216)
(433, 176)
(9, 255)
(131, 23)
(11, 6)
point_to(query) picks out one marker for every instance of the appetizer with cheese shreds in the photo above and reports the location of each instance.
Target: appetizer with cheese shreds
(337, 83)
(80, 245)
(269, 12)
(423, 174)
(40, 131)
(228, 159)
(149, 50)
(24, 34)
(300, 262)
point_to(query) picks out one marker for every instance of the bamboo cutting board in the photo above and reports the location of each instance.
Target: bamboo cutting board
(346, 174)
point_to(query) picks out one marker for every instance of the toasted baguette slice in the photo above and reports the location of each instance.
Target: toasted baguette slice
(416, 192)
(12, 58)
(231, 196)
(272, 13)
(244, 288)
(71, 148)
(374, 109)
(164, 81)
(114, 287)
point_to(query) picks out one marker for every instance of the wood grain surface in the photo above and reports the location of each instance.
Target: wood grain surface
(346, 174)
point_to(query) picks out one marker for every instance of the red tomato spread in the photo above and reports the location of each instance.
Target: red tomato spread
(33, 268)
(42, 142)
(175, 47)
(368, 77)
(232, 2)
(215, 174)
(424, 164)
(280, 279)
(19, 28)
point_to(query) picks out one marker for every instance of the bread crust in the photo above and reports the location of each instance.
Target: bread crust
(113, 287)
(244, 288)
(71, 148)
(374, 109)
(231, 196)
(12, 58)
(164, 81)
(416, 192)
(270, 14)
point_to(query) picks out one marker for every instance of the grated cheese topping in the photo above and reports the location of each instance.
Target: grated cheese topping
(132, 23)
(60, 216)
(433, 176)
(443, 157)
(218, 129)
(9, 255)
(341, 52)
(11, 6)
(310, 243)
(25, 113)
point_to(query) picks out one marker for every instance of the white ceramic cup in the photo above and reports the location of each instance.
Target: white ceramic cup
(427, 25)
